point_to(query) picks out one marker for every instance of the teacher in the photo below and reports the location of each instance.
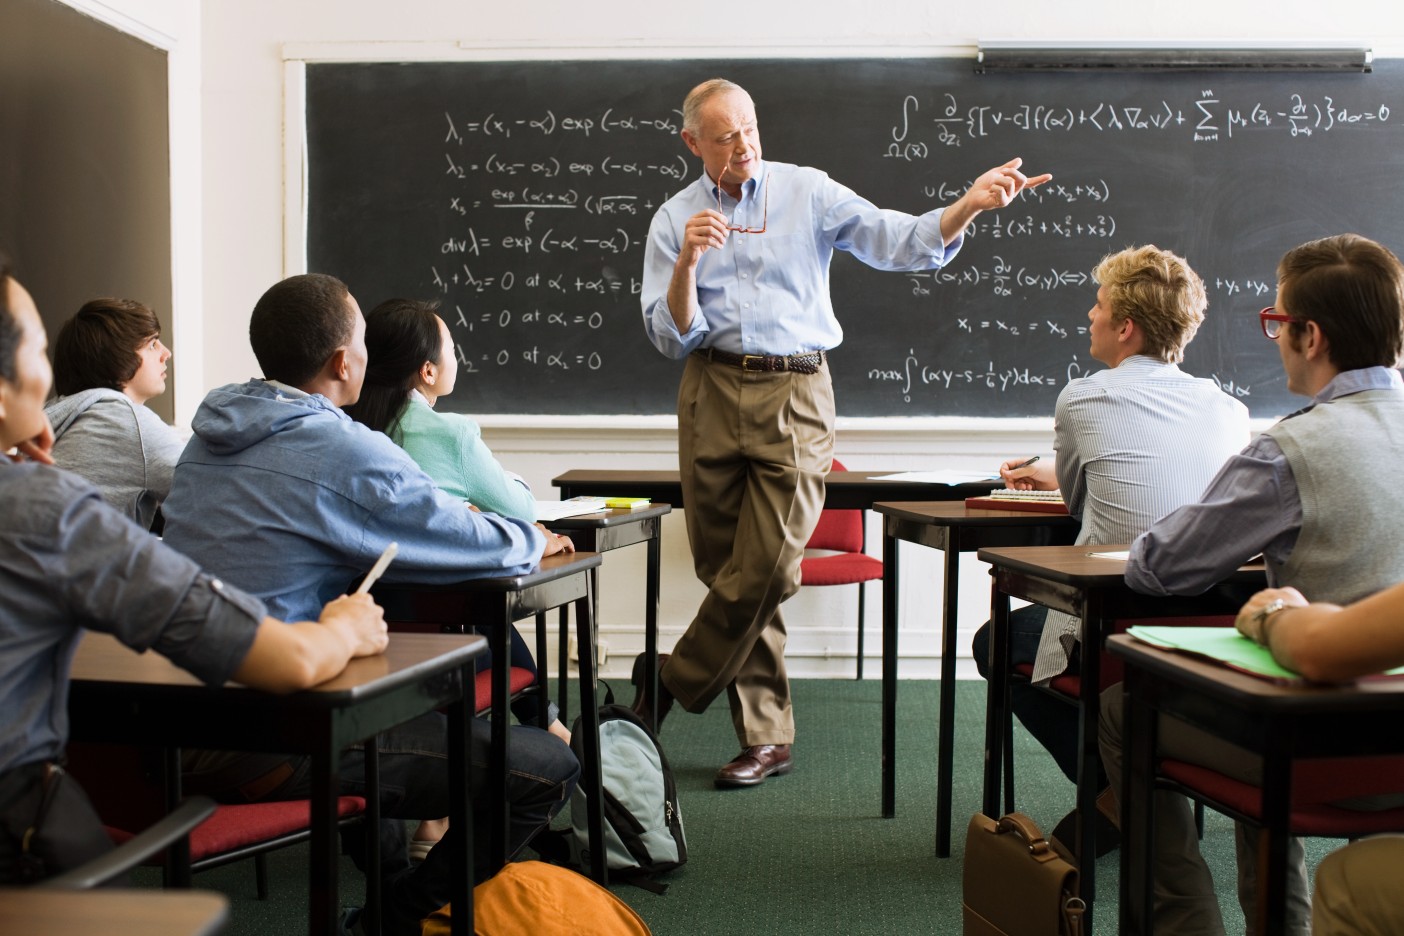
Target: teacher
(736, 280)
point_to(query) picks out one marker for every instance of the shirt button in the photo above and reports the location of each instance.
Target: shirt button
(744, 275)
(216, 584)
(745, 305)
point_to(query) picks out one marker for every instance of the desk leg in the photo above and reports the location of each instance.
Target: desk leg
(1271, 911)
(563, 663)
(373, 917)
(997, 724)
(1089, 712)
(945, 741)
(325, 907)
(590, 774)
(890, 582)
(543, 684)
(651, 603)
(501, 692)
(1138, 814)
(177, 872)
(460, 716)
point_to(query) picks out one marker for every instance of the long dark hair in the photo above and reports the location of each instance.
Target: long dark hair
(401, 334)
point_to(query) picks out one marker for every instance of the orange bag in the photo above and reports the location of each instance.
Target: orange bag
(532, 898)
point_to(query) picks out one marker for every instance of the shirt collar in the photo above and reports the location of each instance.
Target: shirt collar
(1356, 381)
(750, 187)
(414, 394)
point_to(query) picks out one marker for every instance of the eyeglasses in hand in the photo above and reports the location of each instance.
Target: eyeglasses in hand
(765, 210)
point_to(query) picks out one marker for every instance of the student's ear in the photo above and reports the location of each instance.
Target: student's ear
(429, 373)
(1314, 342)
(338, 365)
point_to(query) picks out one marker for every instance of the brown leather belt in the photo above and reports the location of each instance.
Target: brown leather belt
(808, 363)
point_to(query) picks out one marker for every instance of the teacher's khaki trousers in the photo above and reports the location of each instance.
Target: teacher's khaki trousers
(753, 449)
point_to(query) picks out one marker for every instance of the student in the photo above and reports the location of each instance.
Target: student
(411, 364)
(69, 562)
(1133, 442)
(1357, 887)
(282, 493)
(1293, 495)
(108, 361)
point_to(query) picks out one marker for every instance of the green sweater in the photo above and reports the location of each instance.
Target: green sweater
(450, 449)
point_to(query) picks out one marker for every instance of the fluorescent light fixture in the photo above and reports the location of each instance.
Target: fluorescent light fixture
(1071, 59)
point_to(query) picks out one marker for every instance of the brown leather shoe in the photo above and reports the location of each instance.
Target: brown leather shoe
(643, 686)
(754, 764)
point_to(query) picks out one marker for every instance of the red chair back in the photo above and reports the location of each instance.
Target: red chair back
(840, 530)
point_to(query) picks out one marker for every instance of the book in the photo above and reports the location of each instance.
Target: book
(546, 511)
(1009, 499)
(1225, 646)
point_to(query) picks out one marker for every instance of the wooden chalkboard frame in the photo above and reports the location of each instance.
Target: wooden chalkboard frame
(297, 238)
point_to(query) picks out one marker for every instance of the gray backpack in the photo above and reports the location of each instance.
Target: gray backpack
(643, 827)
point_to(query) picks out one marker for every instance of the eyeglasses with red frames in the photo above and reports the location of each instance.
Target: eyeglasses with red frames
(1272, 321)
(765, 210)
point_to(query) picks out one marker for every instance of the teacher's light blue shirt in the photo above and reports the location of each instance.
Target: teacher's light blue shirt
(769, 293)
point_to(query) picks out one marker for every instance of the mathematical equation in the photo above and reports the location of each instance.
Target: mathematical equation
(1205, 119)
(912, 378)
(534, 357)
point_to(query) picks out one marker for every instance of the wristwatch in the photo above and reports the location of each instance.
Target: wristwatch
(1265, 612)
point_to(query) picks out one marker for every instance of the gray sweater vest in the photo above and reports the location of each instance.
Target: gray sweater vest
(1350, 546)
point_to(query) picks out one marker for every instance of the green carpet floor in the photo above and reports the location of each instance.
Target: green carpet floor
(806, 853)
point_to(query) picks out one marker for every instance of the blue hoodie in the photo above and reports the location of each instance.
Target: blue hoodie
(285, 496)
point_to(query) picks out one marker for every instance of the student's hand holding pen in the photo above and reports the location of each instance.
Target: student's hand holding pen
(1029, 474)
(554, 543)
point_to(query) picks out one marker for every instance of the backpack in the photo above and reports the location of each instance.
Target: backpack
(532, 898)
(643, 827)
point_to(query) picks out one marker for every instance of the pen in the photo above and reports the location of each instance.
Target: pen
(380, 565)
(1024, 464)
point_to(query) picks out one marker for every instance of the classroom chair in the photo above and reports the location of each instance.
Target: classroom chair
(136, 850)
(842, 531)
(128, 795)
(1066, 688)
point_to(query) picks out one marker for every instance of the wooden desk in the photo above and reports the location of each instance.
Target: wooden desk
(127, 698)
(1073, 580)
(601, 532)
(954, 529)
(112, 912)
(1281, 723)
(557, 581)
(844, 490)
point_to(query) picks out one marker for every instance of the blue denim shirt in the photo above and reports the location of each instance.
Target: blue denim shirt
(69, 562)
(285, 496)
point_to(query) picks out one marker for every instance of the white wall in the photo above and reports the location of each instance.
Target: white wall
(241, 114)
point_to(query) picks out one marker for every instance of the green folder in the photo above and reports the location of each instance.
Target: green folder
(1223, 645)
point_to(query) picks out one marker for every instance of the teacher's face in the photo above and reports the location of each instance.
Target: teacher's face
(727, 138)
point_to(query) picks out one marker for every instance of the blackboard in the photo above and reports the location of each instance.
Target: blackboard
(519, 194)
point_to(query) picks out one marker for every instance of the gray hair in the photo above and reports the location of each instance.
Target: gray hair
(692, 104)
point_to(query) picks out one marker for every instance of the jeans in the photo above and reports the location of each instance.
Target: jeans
(414, 785)
(1051, 722)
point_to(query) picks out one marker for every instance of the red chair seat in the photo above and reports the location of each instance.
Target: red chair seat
(1321, 781)
(233, 827)
(518, 679)
(843, 569)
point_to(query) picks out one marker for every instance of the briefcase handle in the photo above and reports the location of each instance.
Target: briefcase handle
(1024, 827)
